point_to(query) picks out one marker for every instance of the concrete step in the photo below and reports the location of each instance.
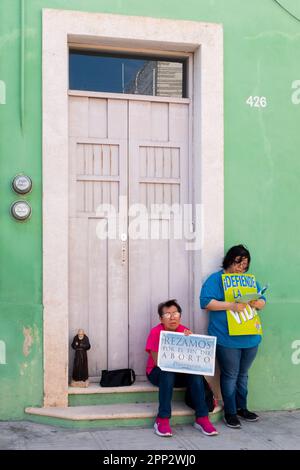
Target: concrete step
(96, 388)
(111, 415)
(139, 392)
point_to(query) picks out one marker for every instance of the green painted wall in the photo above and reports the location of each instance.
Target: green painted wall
(262, 174)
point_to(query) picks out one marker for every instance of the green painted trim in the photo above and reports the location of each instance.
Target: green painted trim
(114, 423)
(113, 398)
(22, 64)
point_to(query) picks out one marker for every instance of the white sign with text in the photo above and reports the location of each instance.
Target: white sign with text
(193, 354)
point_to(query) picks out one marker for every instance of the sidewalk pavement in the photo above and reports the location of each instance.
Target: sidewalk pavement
(274, 431)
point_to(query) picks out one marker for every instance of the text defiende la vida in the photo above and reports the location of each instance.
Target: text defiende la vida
(237, 280)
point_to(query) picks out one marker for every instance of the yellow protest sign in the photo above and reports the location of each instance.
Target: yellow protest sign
(246, 322)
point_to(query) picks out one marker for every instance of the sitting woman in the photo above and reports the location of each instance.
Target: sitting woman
(235, 353)
(170, 315)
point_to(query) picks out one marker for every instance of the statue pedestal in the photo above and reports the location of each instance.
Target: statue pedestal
(80, 383)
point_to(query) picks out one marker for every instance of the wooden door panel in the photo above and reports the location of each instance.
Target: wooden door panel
(98, 279)
(158, 174)
(97, 300)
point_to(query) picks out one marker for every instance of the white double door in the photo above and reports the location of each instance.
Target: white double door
(136, 150)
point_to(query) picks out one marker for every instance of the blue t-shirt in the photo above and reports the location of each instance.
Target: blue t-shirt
(213, 289)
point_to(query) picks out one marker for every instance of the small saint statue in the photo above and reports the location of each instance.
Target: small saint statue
(80, 374)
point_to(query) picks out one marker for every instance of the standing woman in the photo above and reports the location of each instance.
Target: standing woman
(235, 354)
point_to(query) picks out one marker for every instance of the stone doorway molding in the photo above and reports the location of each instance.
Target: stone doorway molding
(60, 29)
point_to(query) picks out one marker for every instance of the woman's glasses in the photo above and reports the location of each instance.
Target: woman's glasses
(243, 263)
(169, 315)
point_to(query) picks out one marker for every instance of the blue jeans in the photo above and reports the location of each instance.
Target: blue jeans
(234, 365)
(166, 381)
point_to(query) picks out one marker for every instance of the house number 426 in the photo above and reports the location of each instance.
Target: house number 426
(257, 101)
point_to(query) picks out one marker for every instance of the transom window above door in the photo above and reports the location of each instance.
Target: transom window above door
(128, 74)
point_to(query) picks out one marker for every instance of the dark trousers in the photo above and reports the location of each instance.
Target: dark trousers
(234, 365)
(166, 381)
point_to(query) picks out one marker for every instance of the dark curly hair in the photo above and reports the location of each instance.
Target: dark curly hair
(235, 255)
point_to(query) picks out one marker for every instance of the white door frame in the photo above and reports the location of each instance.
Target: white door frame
(205, 41)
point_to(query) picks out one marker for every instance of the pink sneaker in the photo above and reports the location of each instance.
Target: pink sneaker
(204, 425)
(162, 427)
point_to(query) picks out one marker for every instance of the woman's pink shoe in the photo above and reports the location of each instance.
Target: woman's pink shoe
(204, 425)
(162, 427)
